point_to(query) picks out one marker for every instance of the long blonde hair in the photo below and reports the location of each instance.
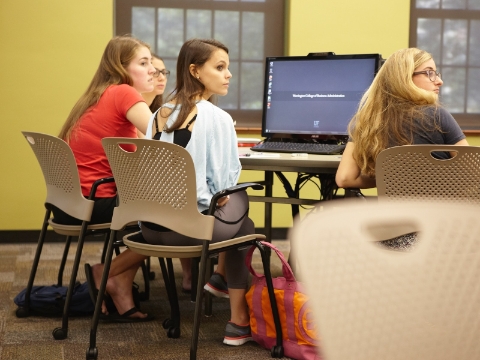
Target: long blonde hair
(116, 57)
(389, 107)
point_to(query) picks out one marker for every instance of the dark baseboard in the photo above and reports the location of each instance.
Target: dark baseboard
(31, 236)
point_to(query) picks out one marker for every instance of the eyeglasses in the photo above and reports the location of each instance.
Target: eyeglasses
(432, 74)
(163, 72)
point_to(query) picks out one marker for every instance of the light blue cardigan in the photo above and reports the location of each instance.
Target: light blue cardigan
(213, 147)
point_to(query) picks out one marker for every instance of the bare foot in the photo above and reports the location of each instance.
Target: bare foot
(187, 273)
(187, 283)
(119, 287)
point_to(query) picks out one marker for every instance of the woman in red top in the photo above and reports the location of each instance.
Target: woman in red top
(112, 106)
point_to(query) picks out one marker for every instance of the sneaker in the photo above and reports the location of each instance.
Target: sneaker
(236, 335)
(217, 286)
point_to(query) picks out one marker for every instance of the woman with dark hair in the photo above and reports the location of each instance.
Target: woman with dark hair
(112, 106)
(154, 99)
(189, 119)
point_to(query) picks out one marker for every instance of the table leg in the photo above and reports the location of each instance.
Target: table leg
(268, 205)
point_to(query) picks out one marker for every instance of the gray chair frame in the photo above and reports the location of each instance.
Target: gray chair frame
(60, 172)
(156, 182)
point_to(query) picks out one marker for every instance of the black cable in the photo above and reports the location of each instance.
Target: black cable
(289, 191)
(327, 187)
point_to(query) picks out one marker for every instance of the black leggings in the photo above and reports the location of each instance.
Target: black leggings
(102, 213)
(230, 221)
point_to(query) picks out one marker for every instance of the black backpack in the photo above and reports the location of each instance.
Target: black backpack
(50, 300)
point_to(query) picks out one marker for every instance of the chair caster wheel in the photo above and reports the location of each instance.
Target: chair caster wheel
(92, 354)
(173, 332)
(151, 275)
(167, 323)
(22, 312)
(277, 352)
(59, 334)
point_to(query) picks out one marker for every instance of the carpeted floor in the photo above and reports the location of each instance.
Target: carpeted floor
(31, 338)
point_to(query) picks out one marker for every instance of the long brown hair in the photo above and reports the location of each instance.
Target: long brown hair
(116, 57)
(390, 109)
(188, 88)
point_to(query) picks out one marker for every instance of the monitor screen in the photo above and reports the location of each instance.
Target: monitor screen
(314, 95)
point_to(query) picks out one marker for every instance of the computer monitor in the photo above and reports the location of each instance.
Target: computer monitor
(314, 96)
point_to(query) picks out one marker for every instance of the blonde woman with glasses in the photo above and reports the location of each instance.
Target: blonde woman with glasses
(401, 107)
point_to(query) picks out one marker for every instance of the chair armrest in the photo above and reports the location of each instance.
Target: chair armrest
(231, 190)
(97, 183)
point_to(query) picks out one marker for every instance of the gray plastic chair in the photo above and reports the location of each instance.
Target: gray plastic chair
(156, 183)
(64, 191)
(373, 303)
(411, 173)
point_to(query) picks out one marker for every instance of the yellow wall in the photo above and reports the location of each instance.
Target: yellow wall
(348, 26)
(51, 48)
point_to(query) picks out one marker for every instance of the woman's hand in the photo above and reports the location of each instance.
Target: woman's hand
(223, 200)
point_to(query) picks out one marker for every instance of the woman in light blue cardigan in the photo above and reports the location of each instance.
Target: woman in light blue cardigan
(190, 120)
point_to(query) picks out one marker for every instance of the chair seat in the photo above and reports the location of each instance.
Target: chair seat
(74, 230)
(166, 251)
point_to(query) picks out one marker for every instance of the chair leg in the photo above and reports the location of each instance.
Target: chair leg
(265, 254)
(195, 265)
(61, 333)
(25, 311)
(105, 245)
(172, 324)
(208, 296)
(175, 333)
(151, 274)
(145, 294)
(198, 303)
(92, 351)
(68, 241)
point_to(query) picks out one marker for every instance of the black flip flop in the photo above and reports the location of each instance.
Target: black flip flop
(125, 317)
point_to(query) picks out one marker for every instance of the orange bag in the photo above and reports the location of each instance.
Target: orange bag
(298, 328)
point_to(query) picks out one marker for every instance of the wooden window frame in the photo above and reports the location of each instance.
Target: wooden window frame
(273, 10)
(469, 122)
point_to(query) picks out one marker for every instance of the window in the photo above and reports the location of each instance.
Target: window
(450, 31)
(242, 25)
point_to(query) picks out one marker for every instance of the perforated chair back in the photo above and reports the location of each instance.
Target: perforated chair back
(412, 173)
(62, 181)
(373, 303)
(156, 177)
(61, 174)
